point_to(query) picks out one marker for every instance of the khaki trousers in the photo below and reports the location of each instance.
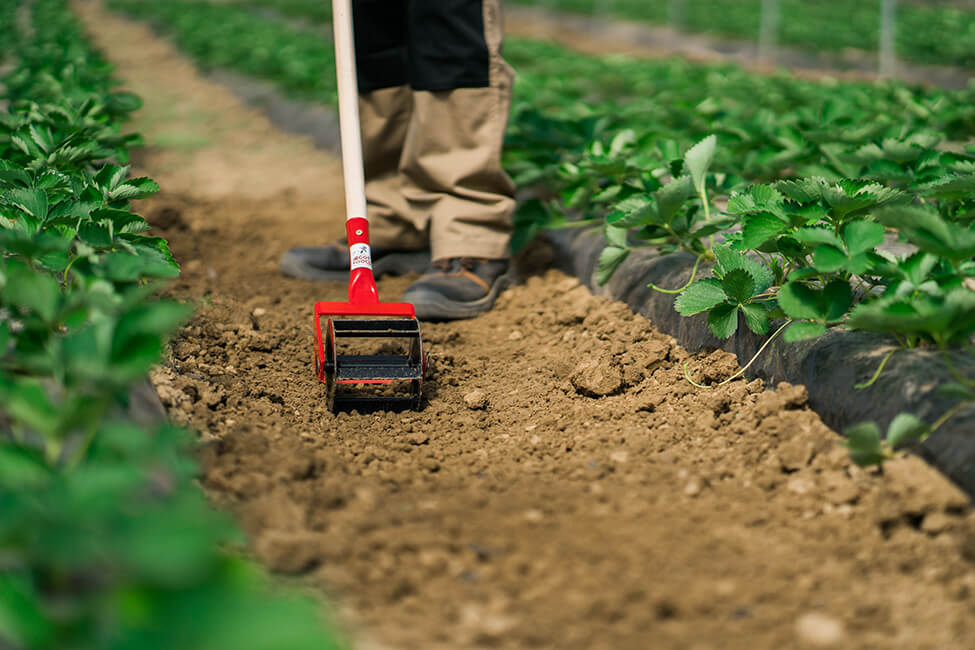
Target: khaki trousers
(433, 157)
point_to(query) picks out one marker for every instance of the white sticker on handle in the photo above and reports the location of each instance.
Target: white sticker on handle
(361, 257)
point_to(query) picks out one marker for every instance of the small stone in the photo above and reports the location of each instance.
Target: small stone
(693, 487)
(533, 516)
(515, 336)
(476, 400)
(258, 312)
(531, 427)
(820, 630)
(799, 485)
(619, 456)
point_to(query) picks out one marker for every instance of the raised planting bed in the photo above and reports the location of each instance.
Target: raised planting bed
(829, 367)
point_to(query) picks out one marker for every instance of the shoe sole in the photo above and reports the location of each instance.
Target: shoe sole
(432, 306)
(392, 264)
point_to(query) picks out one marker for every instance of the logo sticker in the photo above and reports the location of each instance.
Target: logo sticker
(361, 257)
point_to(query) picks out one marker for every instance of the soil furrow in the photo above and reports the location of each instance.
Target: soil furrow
(564, 486)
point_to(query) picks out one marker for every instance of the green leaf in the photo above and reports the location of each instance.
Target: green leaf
(672, 196)
(803, 331)
(34, 291)
(906, 429)
(729, 259)
(32, 201)
(739, 285)
(828, 259)
(610, 260)
(698, 160)
(632, 212)
(838, 298)
(862, 236)
(929, 231)
(954, 390)
(723, 320)
(700, 297)
(760, 228)
(865, 444)
(21, 469)
(799, 301)
(134, 188)
(616, 236)
(756, 318)
(813, 237)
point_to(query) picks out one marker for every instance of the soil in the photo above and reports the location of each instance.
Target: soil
(563, 486)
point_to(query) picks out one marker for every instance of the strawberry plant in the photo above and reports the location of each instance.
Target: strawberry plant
(926, 34)
(106, 541)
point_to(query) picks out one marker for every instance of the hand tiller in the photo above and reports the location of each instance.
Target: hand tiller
(393, 377)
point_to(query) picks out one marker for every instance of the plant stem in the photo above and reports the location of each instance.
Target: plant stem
(689, 282)
(876, 375)
(948, 415)
(747, 365)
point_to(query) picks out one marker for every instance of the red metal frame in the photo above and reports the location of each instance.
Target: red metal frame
(363, 296)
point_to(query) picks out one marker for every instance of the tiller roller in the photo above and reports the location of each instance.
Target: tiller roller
(369, 354)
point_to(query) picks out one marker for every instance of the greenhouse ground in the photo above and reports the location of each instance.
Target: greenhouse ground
(564, 486)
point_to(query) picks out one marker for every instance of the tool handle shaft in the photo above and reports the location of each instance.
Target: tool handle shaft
(352, 165)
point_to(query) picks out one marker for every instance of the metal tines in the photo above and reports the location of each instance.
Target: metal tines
(371, 364)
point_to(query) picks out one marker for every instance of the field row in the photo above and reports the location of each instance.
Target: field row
(107, 541)
(808, 177)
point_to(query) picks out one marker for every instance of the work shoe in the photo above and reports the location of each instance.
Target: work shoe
(458, 287)
(332, 262)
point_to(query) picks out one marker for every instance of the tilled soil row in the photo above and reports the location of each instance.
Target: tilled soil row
(563, 486)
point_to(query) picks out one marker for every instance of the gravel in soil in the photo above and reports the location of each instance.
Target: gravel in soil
(563, 486)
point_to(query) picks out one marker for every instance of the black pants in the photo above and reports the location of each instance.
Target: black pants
(425, 44)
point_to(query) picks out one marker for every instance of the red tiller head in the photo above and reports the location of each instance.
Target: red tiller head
(364, 317)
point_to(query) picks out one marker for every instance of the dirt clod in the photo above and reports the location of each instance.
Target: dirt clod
(476, 400)
(597, 376)
(820, 630)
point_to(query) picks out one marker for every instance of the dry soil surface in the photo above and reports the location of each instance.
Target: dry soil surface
(563, 487)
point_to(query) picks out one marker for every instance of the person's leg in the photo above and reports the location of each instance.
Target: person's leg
(385, 105)
(451, 162)
(452, 153)
(385, 110)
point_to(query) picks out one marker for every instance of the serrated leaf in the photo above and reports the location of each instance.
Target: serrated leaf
(610, 260)
(799, 301)
(803, 331)
(838, 298)
(756, 318)
(616, 236)
(32, 201)
(828, 259)
(632, 212)
(672, 196)
(807, 190)
(929, 231)
(905, 429)
(134, 188)
(700, 297)
(698, 160)
(813, 237)
(862, 236)
(739, 285)
(760, 228)
(729, 259)
(723, 320)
